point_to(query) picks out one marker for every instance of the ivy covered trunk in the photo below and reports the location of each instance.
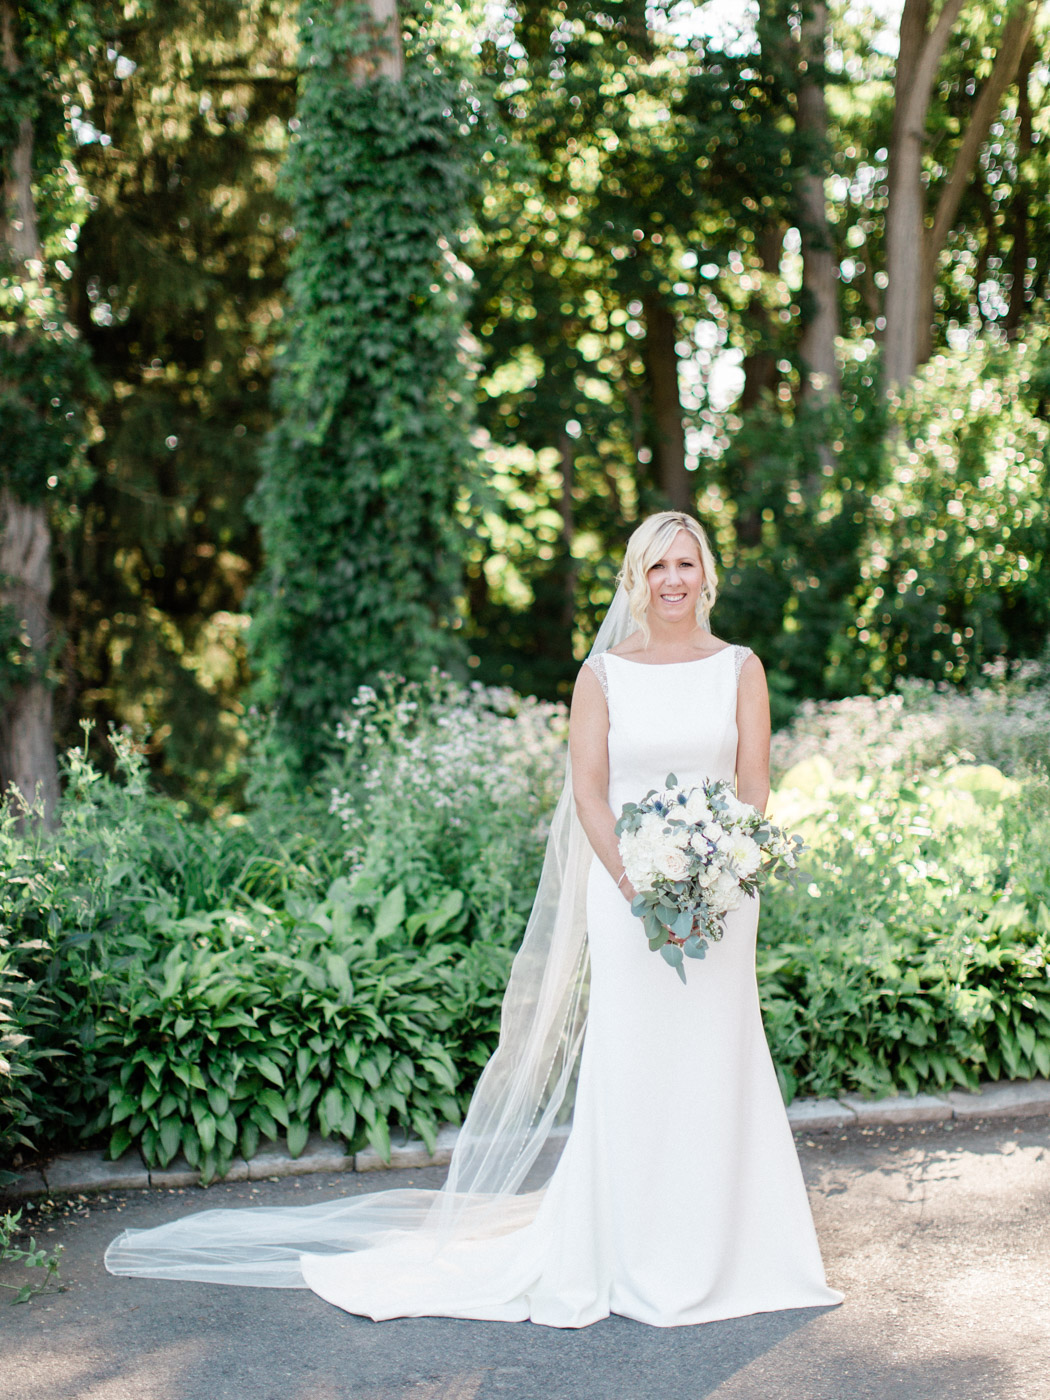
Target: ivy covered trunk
(365, 476)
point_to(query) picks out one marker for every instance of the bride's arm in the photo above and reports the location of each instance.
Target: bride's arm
(589, 750)
(752, 722)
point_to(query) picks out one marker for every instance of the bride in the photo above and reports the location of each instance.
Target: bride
(677, 1197)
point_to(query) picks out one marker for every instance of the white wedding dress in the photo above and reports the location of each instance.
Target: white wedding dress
(678, 1197)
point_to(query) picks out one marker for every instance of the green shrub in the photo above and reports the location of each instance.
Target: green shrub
(252, 1024)
(917, 958)
(333, 963)
(1005, 721)
(334, 960)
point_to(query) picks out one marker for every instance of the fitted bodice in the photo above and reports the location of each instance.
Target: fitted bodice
(678, 718)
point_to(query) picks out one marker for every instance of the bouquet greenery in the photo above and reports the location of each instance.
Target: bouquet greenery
(692, 854)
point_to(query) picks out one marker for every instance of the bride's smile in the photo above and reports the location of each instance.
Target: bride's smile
(676, 581)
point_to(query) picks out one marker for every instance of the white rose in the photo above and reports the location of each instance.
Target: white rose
(673, 864)
(698, 841)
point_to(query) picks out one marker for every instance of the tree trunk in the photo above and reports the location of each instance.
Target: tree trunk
(27, 741)
(387, 57)
(1016, 34)
(760, 378)
(1019, 204)
(668, 439)
(820, 274)
(921, 50)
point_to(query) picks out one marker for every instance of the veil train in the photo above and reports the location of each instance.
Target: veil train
(497, 1170)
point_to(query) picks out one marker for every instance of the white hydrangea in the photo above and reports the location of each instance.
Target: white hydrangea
(724, 894)
(696, 809)
(736, 811)
(637, 854)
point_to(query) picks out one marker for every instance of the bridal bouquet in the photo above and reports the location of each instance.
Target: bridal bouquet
(692, 854)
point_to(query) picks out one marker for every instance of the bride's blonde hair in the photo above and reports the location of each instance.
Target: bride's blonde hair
(647, 546)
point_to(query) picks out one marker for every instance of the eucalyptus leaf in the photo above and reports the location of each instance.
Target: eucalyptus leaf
(683, 925)
(673, 955)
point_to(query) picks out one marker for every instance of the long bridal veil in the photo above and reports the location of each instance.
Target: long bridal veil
(499, 1164)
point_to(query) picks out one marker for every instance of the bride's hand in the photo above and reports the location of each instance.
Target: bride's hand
(628, 891)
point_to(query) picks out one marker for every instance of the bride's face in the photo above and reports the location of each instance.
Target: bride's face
(675, 580)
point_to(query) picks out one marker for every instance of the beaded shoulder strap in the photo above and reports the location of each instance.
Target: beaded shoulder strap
(597, 665)
(740, 655)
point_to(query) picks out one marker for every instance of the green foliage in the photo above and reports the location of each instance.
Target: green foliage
(181, 127)
(637, 165)
(179, 978)
(960, 525)
(35, 1257)
(44, 373)
(367, 470)
(20, 1051)
(918, 549)
(437, 784)
(638, 168)
(46, 36)
(337, 964)
(44, 367)
(331, 1017)
(919, 957)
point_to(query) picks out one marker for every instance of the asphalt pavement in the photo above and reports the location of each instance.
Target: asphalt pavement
(938, 1235)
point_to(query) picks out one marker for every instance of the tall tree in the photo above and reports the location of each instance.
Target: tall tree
(367, 470)
(178, 290)
(1016, 34)
(915, 238)
(820, 277)
(40, 361)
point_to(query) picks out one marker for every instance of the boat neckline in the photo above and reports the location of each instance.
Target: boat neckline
(659, 665)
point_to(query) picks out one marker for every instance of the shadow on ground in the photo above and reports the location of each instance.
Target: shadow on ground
(940, 1239)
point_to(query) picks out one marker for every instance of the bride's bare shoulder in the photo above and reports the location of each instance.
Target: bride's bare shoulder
(628, 647)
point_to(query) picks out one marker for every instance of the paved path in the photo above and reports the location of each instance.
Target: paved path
(939, 1236)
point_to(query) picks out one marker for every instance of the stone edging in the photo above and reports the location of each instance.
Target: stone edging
(90, 1171)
